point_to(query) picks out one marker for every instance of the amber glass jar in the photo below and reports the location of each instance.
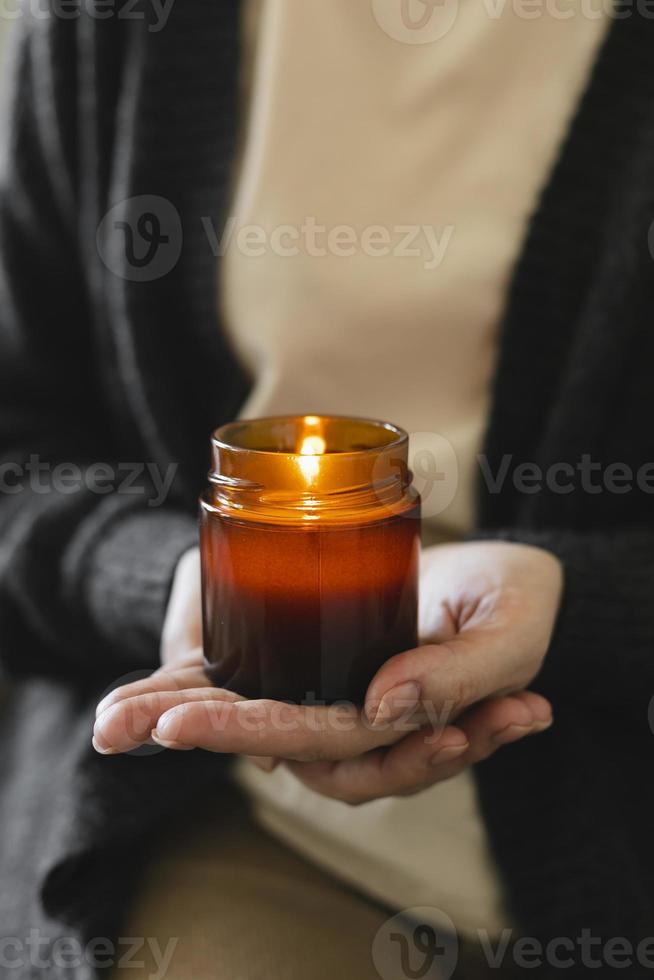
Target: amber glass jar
(310, 537)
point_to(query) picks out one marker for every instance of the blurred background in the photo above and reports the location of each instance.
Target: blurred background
(5, 26)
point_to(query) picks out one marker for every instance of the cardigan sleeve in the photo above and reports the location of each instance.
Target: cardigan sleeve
(602, 650)
(85, 571)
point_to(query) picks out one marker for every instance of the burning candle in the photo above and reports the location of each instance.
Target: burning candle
(310, 542)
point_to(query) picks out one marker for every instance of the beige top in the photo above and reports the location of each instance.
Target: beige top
(382, 199)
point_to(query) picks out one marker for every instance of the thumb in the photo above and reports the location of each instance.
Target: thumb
(438, 678)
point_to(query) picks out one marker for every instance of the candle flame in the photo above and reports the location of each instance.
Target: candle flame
(313, 446)
(310, 449)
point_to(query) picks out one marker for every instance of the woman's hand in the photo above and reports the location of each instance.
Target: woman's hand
(179, 708)
(424, 757)
(187, 712)
(334, 750)
(488, 611)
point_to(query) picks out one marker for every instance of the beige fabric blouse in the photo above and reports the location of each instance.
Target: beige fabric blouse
(384, 188)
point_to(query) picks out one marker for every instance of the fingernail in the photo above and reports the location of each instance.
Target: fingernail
(515, 732)
(169, 725)
(102, 749)
(447, 753)
(263, 762)
(398, 701)
(511, 734)
(168, 743)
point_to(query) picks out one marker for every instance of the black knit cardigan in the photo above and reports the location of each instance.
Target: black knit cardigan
(96, 366)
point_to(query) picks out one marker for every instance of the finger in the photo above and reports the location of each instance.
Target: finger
(129, 722)
(425, 757)
(408, 767)
(504, 720)
(399, 684)
(183, 623)
(446, 677)
(274, 728)
(497, 723)
(162, 680)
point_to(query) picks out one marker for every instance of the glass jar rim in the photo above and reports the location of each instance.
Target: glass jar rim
(220, 436)
(274, 468)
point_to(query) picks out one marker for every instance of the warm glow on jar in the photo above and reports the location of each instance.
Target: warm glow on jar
(310, 543)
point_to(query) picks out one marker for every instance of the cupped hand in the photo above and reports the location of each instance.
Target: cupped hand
(334, 749)
(178, 707)
(487, 614)
(427, 756)
(488, 611)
